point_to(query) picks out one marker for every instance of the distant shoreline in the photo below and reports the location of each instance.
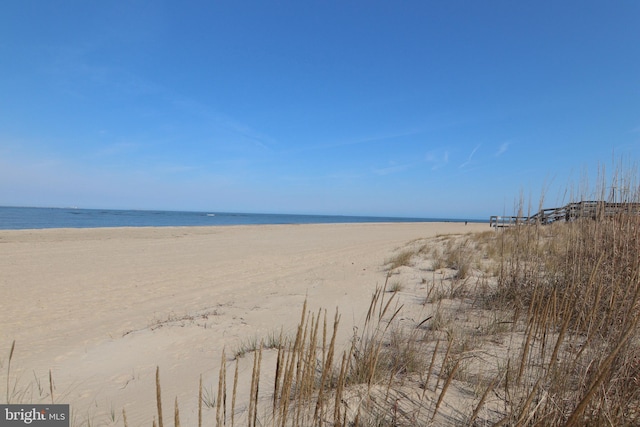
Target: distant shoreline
(28, 218)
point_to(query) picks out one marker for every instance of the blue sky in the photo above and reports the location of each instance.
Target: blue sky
(415, 108)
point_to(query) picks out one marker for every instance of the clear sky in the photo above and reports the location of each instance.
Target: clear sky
(404, 108)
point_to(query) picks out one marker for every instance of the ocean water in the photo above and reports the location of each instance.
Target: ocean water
(17, 218)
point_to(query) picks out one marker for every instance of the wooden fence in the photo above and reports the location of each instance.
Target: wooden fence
(596, 210)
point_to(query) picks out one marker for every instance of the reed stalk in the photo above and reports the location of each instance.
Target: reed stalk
(158, 397)
(200, 402)
(233, 397)
(445, 387)
(221, 401)
(13, 346)
(478, 407)
(51, 386)
(176, 414)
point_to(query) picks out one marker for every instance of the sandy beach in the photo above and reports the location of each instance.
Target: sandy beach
(101, 308)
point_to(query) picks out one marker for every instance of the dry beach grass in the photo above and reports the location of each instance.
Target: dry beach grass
(534, 325)
(101, 308)
(529, 326)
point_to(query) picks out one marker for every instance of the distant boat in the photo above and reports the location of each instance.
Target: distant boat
(211, 214)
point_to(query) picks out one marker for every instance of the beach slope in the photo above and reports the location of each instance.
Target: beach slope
(101, 308)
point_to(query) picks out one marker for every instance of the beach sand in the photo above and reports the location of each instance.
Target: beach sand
(101, 308)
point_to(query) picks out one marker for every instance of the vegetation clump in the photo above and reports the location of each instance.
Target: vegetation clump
(529, 325)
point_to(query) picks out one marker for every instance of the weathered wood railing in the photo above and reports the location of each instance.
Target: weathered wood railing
(586, 209)
(507, 221)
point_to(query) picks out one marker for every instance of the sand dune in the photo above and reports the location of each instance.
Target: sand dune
(101, 308)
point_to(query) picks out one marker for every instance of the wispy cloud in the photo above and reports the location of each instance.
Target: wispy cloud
(220, 120)
(437, 159)
(470, 158)
(392, 168)
(79, 76)
(355, 141)
(503, 149)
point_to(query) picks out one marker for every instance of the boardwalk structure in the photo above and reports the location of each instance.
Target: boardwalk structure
(586, 209)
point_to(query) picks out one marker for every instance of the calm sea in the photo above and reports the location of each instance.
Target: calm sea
(15, 218)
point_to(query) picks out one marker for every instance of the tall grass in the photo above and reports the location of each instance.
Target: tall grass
(528, 326)
(576, 288)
